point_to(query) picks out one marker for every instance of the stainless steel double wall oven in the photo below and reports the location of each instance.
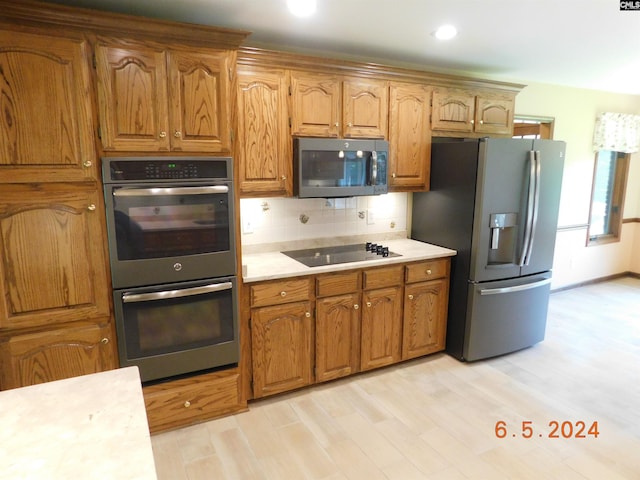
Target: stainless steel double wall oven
(171, 233)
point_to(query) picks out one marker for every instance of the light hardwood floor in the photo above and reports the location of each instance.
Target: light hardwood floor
(435, 418)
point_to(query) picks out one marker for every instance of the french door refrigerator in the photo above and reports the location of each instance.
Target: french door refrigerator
(495, 201)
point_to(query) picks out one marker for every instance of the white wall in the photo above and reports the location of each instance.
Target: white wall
(575, 111)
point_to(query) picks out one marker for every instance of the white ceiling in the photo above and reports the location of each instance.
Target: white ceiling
(580, 43)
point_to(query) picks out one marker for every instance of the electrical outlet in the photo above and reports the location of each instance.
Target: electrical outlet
(370, 217)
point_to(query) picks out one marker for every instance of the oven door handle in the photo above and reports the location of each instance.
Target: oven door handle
(185, 292)
(146, 192)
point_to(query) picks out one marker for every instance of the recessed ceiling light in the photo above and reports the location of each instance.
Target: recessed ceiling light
(445, 32)
(302, 8)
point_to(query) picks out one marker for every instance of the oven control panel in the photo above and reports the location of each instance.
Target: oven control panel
(168, 168)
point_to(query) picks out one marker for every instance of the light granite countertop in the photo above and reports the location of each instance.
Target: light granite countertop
(89, 427)
(273, 265)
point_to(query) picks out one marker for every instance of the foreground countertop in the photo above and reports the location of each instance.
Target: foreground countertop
(274, 265)
(90, 427)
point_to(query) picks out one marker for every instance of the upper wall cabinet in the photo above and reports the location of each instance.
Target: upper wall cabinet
(263, 146)
(467, 111)
(46, 129)
(409, 137)
(152, 99)
(325, 105)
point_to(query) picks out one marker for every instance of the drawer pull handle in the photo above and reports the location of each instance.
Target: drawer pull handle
(428, 271)
(187, 404)
(308, 314)
(177, 134)
(162, 134)
(410, 297)
(104, 341)
(283, 293)
(356, 307)
(87, 163)
(368, 304)
(91, 208)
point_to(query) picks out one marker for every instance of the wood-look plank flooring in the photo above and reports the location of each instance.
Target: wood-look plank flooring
(435, 417)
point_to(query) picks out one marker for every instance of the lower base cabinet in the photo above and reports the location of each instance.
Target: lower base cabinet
(318, 328)
(194, 399)
(54, 354)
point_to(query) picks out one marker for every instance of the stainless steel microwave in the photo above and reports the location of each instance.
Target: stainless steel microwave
(330, 167)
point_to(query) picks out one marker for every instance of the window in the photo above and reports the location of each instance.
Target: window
(532, 127)
(607, 197)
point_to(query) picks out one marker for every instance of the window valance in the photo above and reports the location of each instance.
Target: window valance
(619, 132)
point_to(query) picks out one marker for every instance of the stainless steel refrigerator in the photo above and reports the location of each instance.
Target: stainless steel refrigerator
(495, 201)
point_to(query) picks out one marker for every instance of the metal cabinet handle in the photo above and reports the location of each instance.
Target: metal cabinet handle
(393, 175)
(91, 207)
(336, 124)
(472, 122)
(162, 134)
(187, 404)
(429, 271)
(308, 314)
(349, 124)
(368, 304)
(356, 307)
(410, 297)
(177, 134)
(87, 163)
(283, 177)
(283, 293)
(104, 341)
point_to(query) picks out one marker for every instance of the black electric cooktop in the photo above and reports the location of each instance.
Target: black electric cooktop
(359, 252)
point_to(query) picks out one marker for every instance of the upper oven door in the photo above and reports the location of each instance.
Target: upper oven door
(163, 233)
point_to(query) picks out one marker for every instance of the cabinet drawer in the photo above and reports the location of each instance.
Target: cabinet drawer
(192, 399)
(280, 292)
(428, 270)
(337, 284)
(383, 277)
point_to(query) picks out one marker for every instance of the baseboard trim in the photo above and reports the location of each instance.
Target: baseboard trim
(596, 280)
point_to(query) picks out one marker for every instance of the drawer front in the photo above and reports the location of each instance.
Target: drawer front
(280, 292)
(429, 270)
(337, 284)
(197, 399)
(383, 277)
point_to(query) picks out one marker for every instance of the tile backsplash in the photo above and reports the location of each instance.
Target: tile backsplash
(283, 220)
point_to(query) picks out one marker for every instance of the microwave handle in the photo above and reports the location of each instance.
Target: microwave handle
(374, 167)
(146, 192)
(185, 292)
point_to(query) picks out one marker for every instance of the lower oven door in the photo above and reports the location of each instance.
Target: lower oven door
(175, 329)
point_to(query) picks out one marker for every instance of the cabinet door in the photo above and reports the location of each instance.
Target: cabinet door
(56, 354)
(132, 97)
(337, 336)
(494, 114)
(452, 110)
(425, 318)
(409, 137)
(263, 145)
(381, 327)
(46, 126)
(282, 346)
(316, 105)
(365, 108)
(199, 93)
(52, 255)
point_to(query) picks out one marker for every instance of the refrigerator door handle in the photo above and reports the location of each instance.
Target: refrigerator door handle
(517, 288)
(529, 217)
(536, 204)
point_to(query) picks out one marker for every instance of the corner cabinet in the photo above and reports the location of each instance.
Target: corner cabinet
(470, 111)
(46, 123)
(153, 99)
(263, 146)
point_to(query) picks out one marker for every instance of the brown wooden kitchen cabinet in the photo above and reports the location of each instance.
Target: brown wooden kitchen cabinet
(54, 354)
(469, 111)
(337, 325)
(263, 145)
(46, 123)
(154, 99)
(426, 298)
(282, 331)
(409, 137)
(381, 317)
(325, 105)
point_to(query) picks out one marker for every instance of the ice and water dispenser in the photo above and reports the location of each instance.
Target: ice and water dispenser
(503, 240)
